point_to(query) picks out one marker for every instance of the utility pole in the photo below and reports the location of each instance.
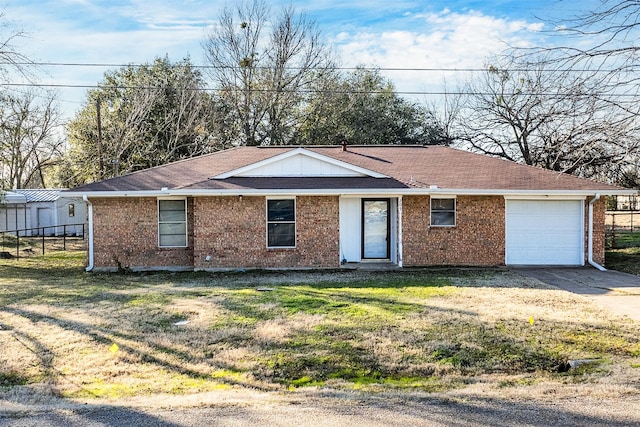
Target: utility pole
(100, 159)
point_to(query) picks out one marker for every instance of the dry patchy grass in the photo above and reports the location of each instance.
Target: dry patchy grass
(454, 332)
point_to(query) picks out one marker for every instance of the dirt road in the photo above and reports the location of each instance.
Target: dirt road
(341, 410)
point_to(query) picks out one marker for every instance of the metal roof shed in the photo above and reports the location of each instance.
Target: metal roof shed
(13, 211)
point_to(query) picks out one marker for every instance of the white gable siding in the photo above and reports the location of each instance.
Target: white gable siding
(299, 165)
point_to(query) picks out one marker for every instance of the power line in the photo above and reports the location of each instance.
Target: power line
(236, 67)
(230, 67)
(305, 91)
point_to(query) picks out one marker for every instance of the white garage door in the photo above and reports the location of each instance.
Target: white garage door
(545, 232)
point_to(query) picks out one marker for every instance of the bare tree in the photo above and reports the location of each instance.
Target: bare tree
(12, 60)
(263, 76)
(604, 39)
(599, 48)
(30, 137)
(544, 117)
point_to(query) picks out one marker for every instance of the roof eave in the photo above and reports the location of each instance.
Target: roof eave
(354, 191)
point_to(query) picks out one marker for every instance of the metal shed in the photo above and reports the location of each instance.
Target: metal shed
(13, 211)
(42, 211)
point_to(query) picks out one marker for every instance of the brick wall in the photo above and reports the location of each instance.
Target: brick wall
(126, 234)
(598, 231)
(477, 239)
(232, 231)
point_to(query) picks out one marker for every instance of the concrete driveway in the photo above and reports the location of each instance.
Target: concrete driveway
(613, 290)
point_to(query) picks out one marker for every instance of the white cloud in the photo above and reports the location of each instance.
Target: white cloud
(168, 14)
(389, 35)
(116, 32)
(434, 41)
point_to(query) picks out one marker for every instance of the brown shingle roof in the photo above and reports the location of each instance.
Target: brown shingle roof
(456, 169)
(405, 167)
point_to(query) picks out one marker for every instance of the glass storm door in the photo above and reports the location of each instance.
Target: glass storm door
(375, 229)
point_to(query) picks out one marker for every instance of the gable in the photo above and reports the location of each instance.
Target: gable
(300, 163)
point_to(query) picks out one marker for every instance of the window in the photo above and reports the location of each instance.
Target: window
(443, 212)
(172, 223)
(72, 210)
(281, 223)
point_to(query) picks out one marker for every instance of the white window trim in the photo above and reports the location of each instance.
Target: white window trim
(455, 212)
(295, 222)
(186, 221)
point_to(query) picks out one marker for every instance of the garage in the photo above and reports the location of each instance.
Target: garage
(544, 232)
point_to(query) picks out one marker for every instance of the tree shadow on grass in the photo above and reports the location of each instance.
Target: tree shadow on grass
(341, 345)
(106, 337)
(349, 343)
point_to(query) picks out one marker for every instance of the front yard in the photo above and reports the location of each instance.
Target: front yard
(66, 334)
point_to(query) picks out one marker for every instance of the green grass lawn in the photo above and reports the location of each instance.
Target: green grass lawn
(623, 240)
(623, 253)
(80, 335)
(625, 259)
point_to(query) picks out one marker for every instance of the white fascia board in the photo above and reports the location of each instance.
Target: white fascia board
(564, 195)
(295, 152)
(231, 193)
(546, 197)
(529, 193)
(387, 192)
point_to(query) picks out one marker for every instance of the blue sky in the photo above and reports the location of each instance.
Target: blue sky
(382, 33)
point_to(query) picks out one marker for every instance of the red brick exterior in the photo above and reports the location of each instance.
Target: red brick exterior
(232, 232)
(477, 238)
(598, 231)
(126, 235)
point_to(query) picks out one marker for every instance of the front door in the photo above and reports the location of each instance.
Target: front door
(375, 229)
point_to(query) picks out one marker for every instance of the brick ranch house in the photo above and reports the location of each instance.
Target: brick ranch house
(323, 207)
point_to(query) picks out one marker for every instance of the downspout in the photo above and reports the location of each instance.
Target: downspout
(90, 226)
(399, 255)
(590, 249)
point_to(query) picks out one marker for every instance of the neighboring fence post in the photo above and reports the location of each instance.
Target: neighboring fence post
(17, 244)
(613, 230)
(64, 237)
(42, 240)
